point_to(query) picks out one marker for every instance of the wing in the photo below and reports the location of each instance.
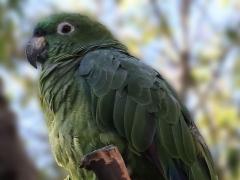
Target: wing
(133, 100)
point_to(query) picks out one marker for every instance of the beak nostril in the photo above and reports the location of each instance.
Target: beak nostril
(38, 42)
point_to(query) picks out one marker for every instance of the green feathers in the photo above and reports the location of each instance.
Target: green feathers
(95, 93)
(142, 108)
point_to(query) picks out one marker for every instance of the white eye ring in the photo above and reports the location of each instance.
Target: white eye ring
(65, 28)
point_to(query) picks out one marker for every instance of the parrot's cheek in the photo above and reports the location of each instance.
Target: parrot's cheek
(36, 50)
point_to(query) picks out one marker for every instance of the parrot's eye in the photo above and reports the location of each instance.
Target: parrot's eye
(65, 28)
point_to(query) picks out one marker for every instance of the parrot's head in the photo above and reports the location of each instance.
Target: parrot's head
(64, 34)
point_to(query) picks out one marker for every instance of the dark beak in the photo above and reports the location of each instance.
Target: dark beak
(36, 50)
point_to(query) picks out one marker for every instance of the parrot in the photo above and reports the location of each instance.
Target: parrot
(94, 93)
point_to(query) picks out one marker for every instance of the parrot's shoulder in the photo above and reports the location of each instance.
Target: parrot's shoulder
(108, 69)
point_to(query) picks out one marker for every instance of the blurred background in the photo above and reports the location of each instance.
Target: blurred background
(194, 44)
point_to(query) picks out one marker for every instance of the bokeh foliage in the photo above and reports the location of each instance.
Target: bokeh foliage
(183, 39)
(7, 43)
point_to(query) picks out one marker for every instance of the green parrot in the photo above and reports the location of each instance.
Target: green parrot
(95, 93)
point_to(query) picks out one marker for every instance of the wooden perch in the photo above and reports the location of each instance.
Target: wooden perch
(107, 163)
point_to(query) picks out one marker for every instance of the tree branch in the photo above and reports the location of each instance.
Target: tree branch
(187, 79)
(107, 163)
(164, 24)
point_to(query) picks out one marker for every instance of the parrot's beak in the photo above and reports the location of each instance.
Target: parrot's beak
(36, 50)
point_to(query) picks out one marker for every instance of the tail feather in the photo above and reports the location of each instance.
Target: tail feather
(175, 169)
(153, 156)
(176, 172)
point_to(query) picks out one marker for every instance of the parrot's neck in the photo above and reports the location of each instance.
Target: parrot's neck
(59, 70)
(64, 52)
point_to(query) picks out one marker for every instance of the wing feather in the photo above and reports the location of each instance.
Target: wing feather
(142, 108)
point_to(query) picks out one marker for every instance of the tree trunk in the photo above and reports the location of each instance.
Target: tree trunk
(14, 163)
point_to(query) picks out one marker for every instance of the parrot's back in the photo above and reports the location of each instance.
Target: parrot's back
(106, 96)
